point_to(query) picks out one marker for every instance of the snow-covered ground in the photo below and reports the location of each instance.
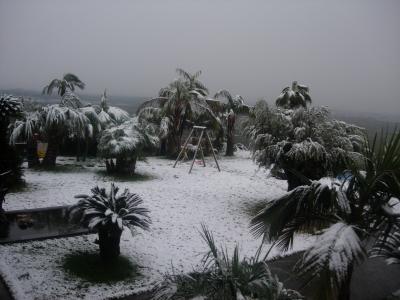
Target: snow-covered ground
(179, 203)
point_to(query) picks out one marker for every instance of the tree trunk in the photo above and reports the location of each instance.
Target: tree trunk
(85, 150)
(109, 239)
(230, 132)
(344, 292)
(125, 166)
(163, 147)
(4, 224)
(78, 149)
(51, 154)
(31, 154)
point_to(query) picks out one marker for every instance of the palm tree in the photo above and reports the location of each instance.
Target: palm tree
(108, 214)
(177, 106)
(192, 81)
(234, 106)
(67, 83)
(225, 277)
(124, 144)
(57, 122)
(294, 97)
(10, 109)
(342, 214)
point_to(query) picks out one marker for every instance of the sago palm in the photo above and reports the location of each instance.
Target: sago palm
(108, 213)
(343, 215)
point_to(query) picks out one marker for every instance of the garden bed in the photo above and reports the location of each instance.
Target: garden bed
(178, 204)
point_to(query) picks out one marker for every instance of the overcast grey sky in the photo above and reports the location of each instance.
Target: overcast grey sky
(347, 51)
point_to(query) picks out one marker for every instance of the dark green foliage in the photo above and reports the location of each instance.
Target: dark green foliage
(225, 277)
(344, 215)
(10, 159)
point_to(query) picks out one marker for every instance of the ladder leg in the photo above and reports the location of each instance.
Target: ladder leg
(195, 152)
(183, 148)
(202, 156)
(212, 151)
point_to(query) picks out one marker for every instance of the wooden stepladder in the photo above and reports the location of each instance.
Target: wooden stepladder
(203, 134)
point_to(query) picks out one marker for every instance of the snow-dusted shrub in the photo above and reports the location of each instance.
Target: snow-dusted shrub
(225, 277)
(108, 213)
(125, 143)
(303, 141)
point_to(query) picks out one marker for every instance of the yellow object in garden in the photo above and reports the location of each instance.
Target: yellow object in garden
(41, 149)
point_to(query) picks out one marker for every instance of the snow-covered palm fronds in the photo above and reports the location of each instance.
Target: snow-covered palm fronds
(236, 103)
(10, 106)
(307, 208)
(306, 151)
(193, 83)
(110, 115)
(93, 117)
(103, 209)
(70, 99)
(127, 139)
(295, 96)
(23, 130)
(68, 82)
(331, 259)
(226, 277)
(118, 115)
(388, 246)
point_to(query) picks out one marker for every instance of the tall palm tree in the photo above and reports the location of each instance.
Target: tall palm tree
(192, 81)
(342, 214)
(293, 97)
(235, 105)
(68, 82)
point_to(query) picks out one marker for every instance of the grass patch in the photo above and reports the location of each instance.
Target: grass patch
(90, 267)
(123, 178)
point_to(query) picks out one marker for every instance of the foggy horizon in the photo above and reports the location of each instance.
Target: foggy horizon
(346, 52)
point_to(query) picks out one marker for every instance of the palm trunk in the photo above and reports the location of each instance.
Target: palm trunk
(229, 142)
(31, 154)
(78, 149)
(230, 132)
(125, 166)
(109, 240)
(344, 292)
(51, 154)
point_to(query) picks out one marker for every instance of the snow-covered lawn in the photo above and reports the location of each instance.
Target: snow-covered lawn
(179, 203)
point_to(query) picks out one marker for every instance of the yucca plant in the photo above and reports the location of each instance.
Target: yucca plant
(343, 215)
(108, 213)
(225, 277)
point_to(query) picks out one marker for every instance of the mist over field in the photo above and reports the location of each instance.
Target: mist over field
(346, 51)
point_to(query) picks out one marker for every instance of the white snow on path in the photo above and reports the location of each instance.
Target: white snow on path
(178, 202)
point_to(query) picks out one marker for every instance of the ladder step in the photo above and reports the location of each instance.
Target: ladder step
(199, 127)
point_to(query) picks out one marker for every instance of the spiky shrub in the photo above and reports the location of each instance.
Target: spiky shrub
(109, 213)
(225, 277)
(10, 160)
(344, 215)
(124, 144)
